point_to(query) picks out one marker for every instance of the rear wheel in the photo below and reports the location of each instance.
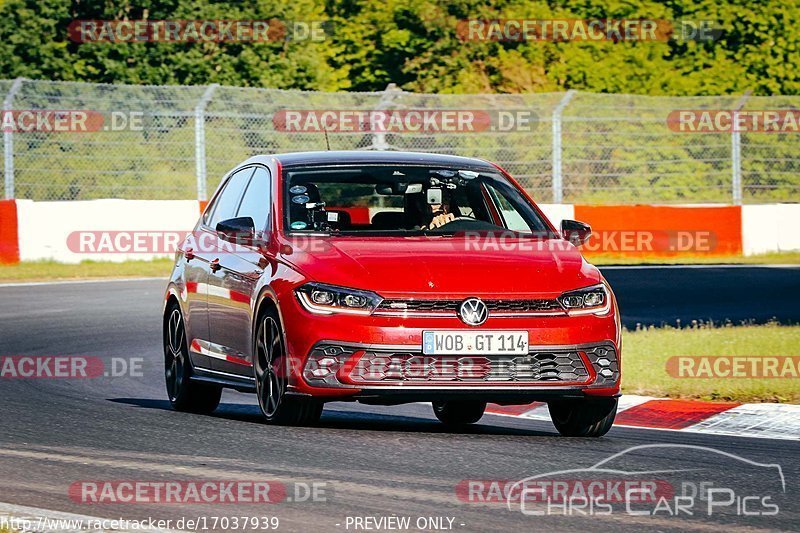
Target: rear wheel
(184, 394)
(272, 379)
(583, 418)
(458, 413)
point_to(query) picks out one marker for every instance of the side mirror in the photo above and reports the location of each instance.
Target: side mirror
(575, 232)
(241, 230)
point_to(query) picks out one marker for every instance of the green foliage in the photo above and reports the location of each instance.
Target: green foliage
(416, 44)
(34, 43)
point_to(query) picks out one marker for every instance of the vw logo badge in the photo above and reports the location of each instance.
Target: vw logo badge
(473, 312)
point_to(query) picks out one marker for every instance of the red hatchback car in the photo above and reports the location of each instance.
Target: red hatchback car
(387, 278)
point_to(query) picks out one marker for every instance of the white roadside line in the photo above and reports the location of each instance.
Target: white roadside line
(78, 281)
(768, 420)
(690, 429)
(19, 517)
(750, 420)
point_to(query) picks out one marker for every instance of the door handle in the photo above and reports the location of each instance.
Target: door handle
(214, 265)
(188, 254)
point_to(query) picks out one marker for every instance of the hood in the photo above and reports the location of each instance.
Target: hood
(421, 266)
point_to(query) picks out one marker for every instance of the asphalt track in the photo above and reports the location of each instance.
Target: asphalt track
(680, 294)
(372, 461)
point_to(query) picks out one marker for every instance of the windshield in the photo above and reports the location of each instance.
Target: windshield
(406, 200)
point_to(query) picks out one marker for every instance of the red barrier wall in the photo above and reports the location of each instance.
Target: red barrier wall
(662, 231)
(9, 235)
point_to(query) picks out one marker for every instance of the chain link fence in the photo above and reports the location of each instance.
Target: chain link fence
(177, 142)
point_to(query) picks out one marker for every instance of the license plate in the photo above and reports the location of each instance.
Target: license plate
(475, 342)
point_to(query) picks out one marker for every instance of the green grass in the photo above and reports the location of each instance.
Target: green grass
(50, 270)
(645, 353)
(774, 258)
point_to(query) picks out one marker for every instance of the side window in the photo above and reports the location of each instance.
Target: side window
(256, 200)
(228, 201)
(511, 217)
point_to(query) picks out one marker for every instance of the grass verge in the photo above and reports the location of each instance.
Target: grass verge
(646, 352)
(51, 270)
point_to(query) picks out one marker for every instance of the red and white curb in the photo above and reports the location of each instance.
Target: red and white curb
(760, 420)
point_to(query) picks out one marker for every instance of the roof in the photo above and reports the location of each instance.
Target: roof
(349, 157)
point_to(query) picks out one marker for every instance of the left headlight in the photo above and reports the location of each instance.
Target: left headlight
(589, 300)
(325, 299)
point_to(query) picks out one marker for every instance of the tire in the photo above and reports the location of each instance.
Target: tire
(271, 369)
(583, 418)
(458, 413)
(184, 394)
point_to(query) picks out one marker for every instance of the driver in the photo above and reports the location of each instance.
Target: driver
(440, 215)
(430, 216)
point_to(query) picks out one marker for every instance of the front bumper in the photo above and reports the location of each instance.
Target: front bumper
(378, 359)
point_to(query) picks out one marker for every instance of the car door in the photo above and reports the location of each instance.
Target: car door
(225, 205)
(233, 282)
(195, 274)
(199, 250)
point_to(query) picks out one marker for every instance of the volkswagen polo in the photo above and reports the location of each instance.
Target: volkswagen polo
(387, 278)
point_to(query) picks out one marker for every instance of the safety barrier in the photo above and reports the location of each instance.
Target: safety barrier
(74, 231)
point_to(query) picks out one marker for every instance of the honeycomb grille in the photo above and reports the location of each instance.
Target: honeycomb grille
(557, 366)
(605, 362)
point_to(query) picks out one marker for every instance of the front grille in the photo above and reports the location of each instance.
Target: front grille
(381, 367)
(451, 306)
(328, 362)
(523, 306)
(421, 306)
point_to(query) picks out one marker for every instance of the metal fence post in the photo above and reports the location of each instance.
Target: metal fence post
(558, 179)
(736, 161)
(379, 137)
(736, 152)
(8, 140)
(200, 141)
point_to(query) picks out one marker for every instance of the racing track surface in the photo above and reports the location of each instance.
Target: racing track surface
(374, 461)
(664, 294)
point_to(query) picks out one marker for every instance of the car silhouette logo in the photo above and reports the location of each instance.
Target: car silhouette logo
(473, 312)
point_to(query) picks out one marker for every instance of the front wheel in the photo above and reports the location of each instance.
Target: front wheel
(184, 394)
(458, 413)
(583, 418)
(272, 379)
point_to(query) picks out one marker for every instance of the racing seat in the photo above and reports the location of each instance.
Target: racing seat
(389, 220)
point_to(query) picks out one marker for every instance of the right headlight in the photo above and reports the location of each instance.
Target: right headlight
(589, 300)
(324, 299)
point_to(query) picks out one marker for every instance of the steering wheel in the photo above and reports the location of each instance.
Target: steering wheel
(456, 219)
(465, 224)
